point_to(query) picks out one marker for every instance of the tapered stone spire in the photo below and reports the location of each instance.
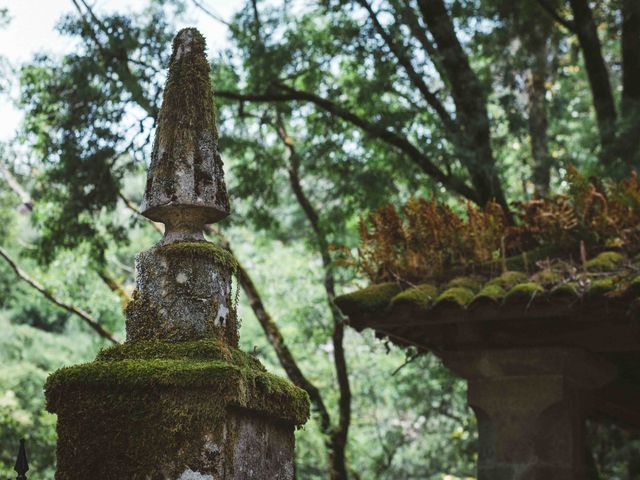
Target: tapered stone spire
(185, 186)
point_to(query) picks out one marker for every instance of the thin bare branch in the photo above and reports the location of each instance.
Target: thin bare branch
(566, 23)
(210, 13)
(91, 321)
(15, 186)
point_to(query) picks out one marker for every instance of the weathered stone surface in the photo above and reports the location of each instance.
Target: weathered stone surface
(183, 292)
(185, 185)
(531, 406)
(240, 446)
(165, 410)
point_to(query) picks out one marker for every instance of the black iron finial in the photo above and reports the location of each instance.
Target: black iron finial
(22, 465)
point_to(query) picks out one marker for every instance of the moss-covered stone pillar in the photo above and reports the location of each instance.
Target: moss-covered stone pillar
(179, 400)
(531, 406)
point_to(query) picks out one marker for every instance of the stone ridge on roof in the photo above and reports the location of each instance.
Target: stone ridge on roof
(610, 274)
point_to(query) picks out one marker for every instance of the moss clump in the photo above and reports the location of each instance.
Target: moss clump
(457, 296)
(372, 299)
(526, 261)
(253, 389)
(191, 365)
(218, 255)
(508, 280)
(206, 349)
(600, 287)
(469, 283)
(547, 278)
(490, 293)
(605, 262)
(187, 101)
(570, 290)
(523, 292)
(421, 296)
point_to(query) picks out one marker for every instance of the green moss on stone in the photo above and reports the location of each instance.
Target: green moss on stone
(421, 296)
(491, 292)
(546, 278)
(569, 290)
(523, 292)
(605, 262)
(368, 300)
(206, 349)
(187, 102)
(218, 255)
(524, 261)
(458, 296)
(600, 287)
(470, 283)
(508, 280)
(189, 365)
(161, 403)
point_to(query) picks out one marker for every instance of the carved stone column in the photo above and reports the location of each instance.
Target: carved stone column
(178, 400)
(531, 406)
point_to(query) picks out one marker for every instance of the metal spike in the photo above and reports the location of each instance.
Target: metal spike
(22, 466)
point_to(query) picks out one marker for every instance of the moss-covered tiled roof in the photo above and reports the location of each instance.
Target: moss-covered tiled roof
(610, 275)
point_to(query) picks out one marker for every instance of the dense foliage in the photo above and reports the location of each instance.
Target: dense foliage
(327, 110)
(429, 240)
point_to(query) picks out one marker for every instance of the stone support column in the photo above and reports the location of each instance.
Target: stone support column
(530, 405)
(178, 400)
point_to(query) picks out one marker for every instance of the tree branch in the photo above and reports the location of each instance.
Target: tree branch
(207, 11)
(415, 78)
(116, 58)
(546, 6)
(27, 202)
(86, 317)
(287, 94)
(15, 186)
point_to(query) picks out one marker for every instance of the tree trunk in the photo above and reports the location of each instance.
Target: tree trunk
(470, 99)
(629, 142)
(598, 76)
(339, 436)
(537, 41)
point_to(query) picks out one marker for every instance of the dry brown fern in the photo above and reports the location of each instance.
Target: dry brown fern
(427, 239)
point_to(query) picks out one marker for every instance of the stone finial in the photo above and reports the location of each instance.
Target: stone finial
(183, 284)
(185, 185)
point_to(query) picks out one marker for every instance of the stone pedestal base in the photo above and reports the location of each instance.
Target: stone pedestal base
(195, 410)
(531, 406)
